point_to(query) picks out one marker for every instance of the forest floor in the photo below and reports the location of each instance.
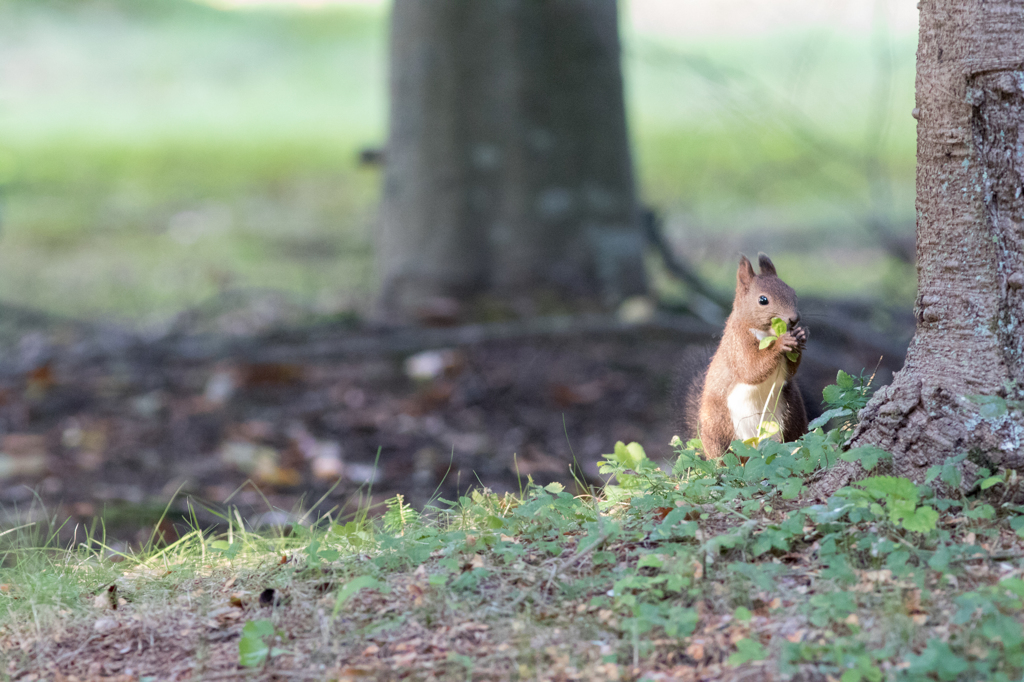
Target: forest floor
(256, 461)
(730, 570)
(282, 425)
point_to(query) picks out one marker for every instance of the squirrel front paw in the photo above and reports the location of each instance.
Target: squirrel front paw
(801, 335)
(789, 342)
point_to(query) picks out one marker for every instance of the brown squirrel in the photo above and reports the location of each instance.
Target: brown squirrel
(744, 384)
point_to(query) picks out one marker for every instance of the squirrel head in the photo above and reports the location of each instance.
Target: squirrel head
(759, 298)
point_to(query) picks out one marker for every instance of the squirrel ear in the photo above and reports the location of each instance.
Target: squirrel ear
(766, 265)
(745, 274)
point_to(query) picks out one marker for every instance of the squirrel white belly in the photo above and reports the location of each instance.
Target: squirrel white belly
(749, 404)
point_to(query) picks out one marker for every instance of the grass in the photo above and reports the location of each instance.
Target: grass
(178, 153)
(154, 155)
(715, 570)
(283, 216)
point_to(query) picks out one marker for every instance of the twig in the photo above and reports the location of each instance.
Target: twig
(678, 269)
(561, 567)
(336, 342)
(579, 554)
(72, 654)
(1002, 556)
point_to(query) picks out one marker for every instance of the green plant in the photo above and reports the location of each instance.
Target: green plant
(987, 641)
(255, 647)
(633, 471)
(747, 650)
(843, 400)
(400, 516)
(893, 499)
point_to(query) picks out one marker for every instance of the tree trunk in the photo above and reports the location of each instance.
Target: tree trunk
(970, 227)
(508, 168)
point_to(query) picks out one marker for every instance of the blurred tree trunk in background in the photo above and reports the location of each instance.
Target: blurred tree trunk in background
(508, 168)
(970, 248)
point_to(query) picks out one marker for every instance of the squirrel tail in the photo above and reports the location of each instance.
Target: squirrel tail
(687, 389)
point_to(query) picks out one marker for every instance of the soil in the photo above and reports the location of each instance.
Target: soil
(287, 426)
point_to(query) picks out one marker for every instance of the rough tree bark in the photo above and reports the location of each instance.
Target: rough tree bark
(970, 248)
(508, 168)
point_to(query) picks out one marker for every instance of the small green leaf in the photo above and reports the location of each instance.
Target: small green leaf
(897, 559)
(865, 670)
(252, 652)
(747, 650)
(629, 456)
(1015, 585)
(779, 326)
(554, 487)
(637, 453)
(829, 415)
(982, 511)
(350, 588)
(650, 560)
(832, 394)
(767, 429)
(791, 488)
(920, 520)
(867, 455)
(844, 380)
(253, 648)
(890, 487)
(793, 355)
(937, 657)
(992, 406)
(993, 410)
(762, 544)
(258, 628)
(765, 342)
(991, 481)
(1004, 629)
(940, 560)
(229, 550)
(742, 613)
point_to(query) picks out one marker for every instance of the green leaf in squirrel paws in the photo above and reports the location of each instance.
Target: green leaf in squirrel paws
(779, 327)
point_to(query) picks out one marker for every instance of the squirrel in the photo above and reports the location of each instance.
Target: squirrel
(744, 385)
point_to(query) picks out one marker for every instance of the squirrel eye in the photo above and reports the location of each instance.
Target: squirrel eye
(763, 300)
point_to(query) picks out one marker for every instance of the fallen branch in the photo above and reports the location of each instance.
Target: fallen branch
(576, 557)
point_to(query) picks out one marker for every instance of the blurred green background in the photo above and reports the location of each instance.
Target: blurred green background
(158, 155)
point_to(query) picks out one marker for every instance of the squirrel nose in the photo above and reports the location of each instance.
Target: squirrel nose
(794, 321)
